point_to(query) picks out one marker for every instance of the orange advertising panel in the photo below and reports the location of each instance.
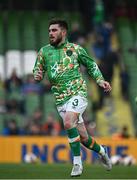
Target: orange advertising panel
(56, 149)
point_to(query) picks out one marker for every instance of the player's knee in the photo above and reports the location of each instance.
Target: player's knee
(67, 125)
(69, 121)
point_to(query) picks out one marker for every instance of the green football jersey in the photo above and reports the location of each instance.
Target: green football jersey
(62, 65)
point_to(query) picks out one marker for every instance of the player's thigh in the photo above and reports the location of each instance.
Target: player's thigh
(69, 119)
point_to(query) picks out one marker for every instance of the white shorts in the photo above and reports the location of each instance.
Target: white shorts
(76, 104)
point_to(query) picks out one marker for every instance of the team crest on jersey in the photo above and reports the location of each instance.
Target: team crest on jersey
(69, 52)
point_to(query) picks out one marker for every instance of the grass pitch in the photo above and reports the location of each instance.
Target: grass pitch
(62, 171)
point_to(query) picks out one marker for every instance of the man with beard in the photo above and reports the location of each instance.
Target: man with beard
(61, 60)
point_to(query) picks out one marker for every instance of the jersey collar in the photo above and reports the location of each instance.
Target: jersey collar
(62, 45)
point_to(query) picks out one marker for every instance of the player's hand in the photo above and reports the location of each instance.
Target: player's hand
(38, 75)
(105, 85)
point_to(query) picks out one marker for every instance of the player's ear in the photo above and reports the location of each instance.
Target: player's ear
(64, 32)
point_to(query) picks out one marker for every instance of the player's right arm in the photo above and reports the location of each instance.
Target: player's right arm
(39, 67)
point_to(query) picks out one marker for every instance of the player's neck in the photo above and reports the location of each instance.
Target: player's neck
(62, 42)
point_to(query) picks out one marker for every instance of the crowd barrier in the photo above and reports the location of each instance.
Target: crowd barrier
(56, 149)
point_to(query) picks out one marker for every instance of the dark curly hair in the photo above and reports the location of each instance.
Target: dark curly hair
(62, 23)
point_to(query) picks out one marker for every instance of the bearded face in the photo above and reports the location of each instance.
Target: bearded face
(56, 34)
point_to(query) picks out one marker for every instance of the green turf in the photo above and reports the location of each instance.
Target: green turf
(62, 171)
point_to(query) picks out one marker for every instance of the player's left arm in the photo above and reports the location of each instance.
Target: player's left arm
(93, 69)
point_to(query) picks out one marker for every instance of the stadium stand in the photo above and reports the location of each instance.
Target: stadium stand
(13, 58)
(1, 49)
(127, 37)
(1, 36)
(49, 107)
(115, 114)
(29, 57)
(28, 28)
(13, 31)
(32, 103)
(2, 66)
(42, 28)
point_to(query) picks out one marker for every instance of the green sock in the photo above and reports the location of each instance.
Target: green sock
(74, 141)
(92, 145)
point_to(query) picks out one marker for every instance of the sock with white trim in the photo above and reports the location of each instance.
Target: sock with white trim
(74, 141)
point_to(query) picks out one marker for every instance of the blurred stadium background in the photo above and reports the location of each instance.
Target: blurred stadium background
(28, 118)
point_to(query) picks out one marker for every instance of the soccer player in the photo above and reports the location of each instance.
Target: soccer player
(61, 60)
